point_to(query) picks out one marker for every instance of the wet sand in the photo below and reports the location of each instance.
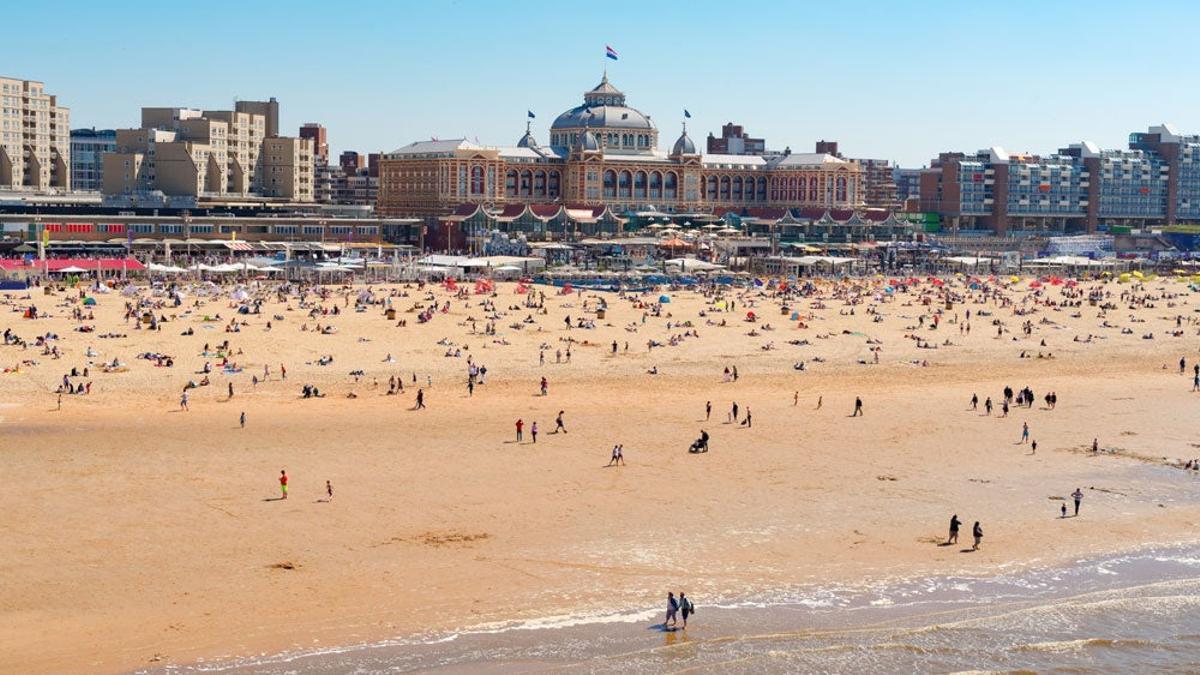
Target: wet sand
(140, 536)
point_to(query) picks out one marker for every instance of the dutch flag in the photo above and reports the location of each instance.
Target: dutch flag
(610, 52)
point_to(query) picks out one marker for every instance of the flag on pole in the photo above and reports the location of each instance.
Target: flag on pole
(610, 52)
(530, 113)
(686, 113)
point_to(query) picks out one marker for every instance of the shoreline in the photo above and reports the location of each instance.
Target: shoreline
(847, 607)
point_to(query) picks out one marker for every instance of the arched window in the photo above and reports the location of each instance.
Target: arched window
(762, 189)
(526, 183)
(737, 189)
(477, 180)
(813, 188)
(725, 188)
(610, 184)
(539, 184)
(774, 189)
(623, 181)
(841, 189)
(792, 189)
(655, 185)
(555, 180)
(671, 185)
(639, 185)
(510, 183)
(711, 192)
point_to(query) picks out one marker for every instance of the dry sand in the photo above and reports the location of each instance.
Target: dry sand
(137, 535)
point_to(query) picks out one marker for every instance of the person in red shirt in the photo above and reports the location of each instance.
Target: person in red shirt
(283, 483)
(520, 426)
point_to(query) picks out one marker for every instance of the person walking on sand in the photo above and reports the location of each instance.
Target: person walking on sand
(858, 411)
(974, 401)
(1064, 510)
(533, 431)
(977, 532)
(242, 419)
(987, 406)
(520, 426)
(685, 608)
(183, 401)
(954, 525)
(1077, 495)
(420, 399)
(283, 480)
(672, 608)
(1033, 445)
(618, 456)
(328, 491)
(545, 387)
(748, 422)
(733, 416)
(558, 423)
(231, 391)
(1024, 432)
(795, 398)
(707, 409)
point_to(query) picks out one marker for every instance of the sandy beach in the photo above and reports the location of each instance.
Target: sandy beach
(139, 535)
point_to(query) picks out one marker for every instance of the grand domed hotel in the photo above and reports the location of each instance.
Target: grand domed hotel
(603, 158)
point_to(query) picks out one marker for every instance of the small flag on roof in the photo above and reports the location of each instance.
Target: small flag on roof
(530, 113)
(686, 113)
(610, 52)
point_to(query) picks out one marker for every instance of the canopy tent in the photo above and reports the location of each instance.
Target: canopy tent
(693, 265)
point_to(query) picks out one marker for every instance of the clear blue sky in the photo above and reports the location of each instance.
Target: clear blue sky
(894, 80)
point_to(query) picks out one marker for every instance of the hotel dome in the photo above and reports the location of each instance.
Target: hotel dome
(618, 127)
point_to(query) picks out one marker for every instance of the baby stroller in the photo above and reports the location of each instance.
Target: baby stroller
(700, 444)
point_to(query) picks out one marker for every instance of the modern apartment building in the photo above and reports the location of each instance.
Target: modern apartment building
(35, 138)
(908, 185)
(735, 141)
(879, 182)
(1080, 188)
(269, 110)
(319, 135)
(354, 180)
(209, 154)
(87, 157)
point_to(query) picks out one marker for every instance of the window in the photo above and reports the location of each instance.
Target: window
(672, 184)
(477, 180)
(610, 184)
(623, 181)
(655, 185)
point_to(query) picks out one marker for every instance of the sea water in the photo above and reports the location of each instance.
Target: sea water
(1134, 612)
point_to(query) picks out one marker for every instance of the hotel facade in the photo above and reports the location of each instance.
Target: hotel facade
(605, 154)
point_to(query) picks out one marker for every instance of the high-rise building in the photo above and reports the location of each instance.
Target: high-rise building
(184, 152)
(879, 184)
(735, 141)
(318, 134)
(351, 161)
(1080, 188)
(908, 185)
(87, 157)
(268, 109)
(35, 138)
(354, 180)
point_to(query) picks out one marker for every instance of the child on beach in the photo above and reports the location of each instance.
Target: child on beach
(283, 481)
